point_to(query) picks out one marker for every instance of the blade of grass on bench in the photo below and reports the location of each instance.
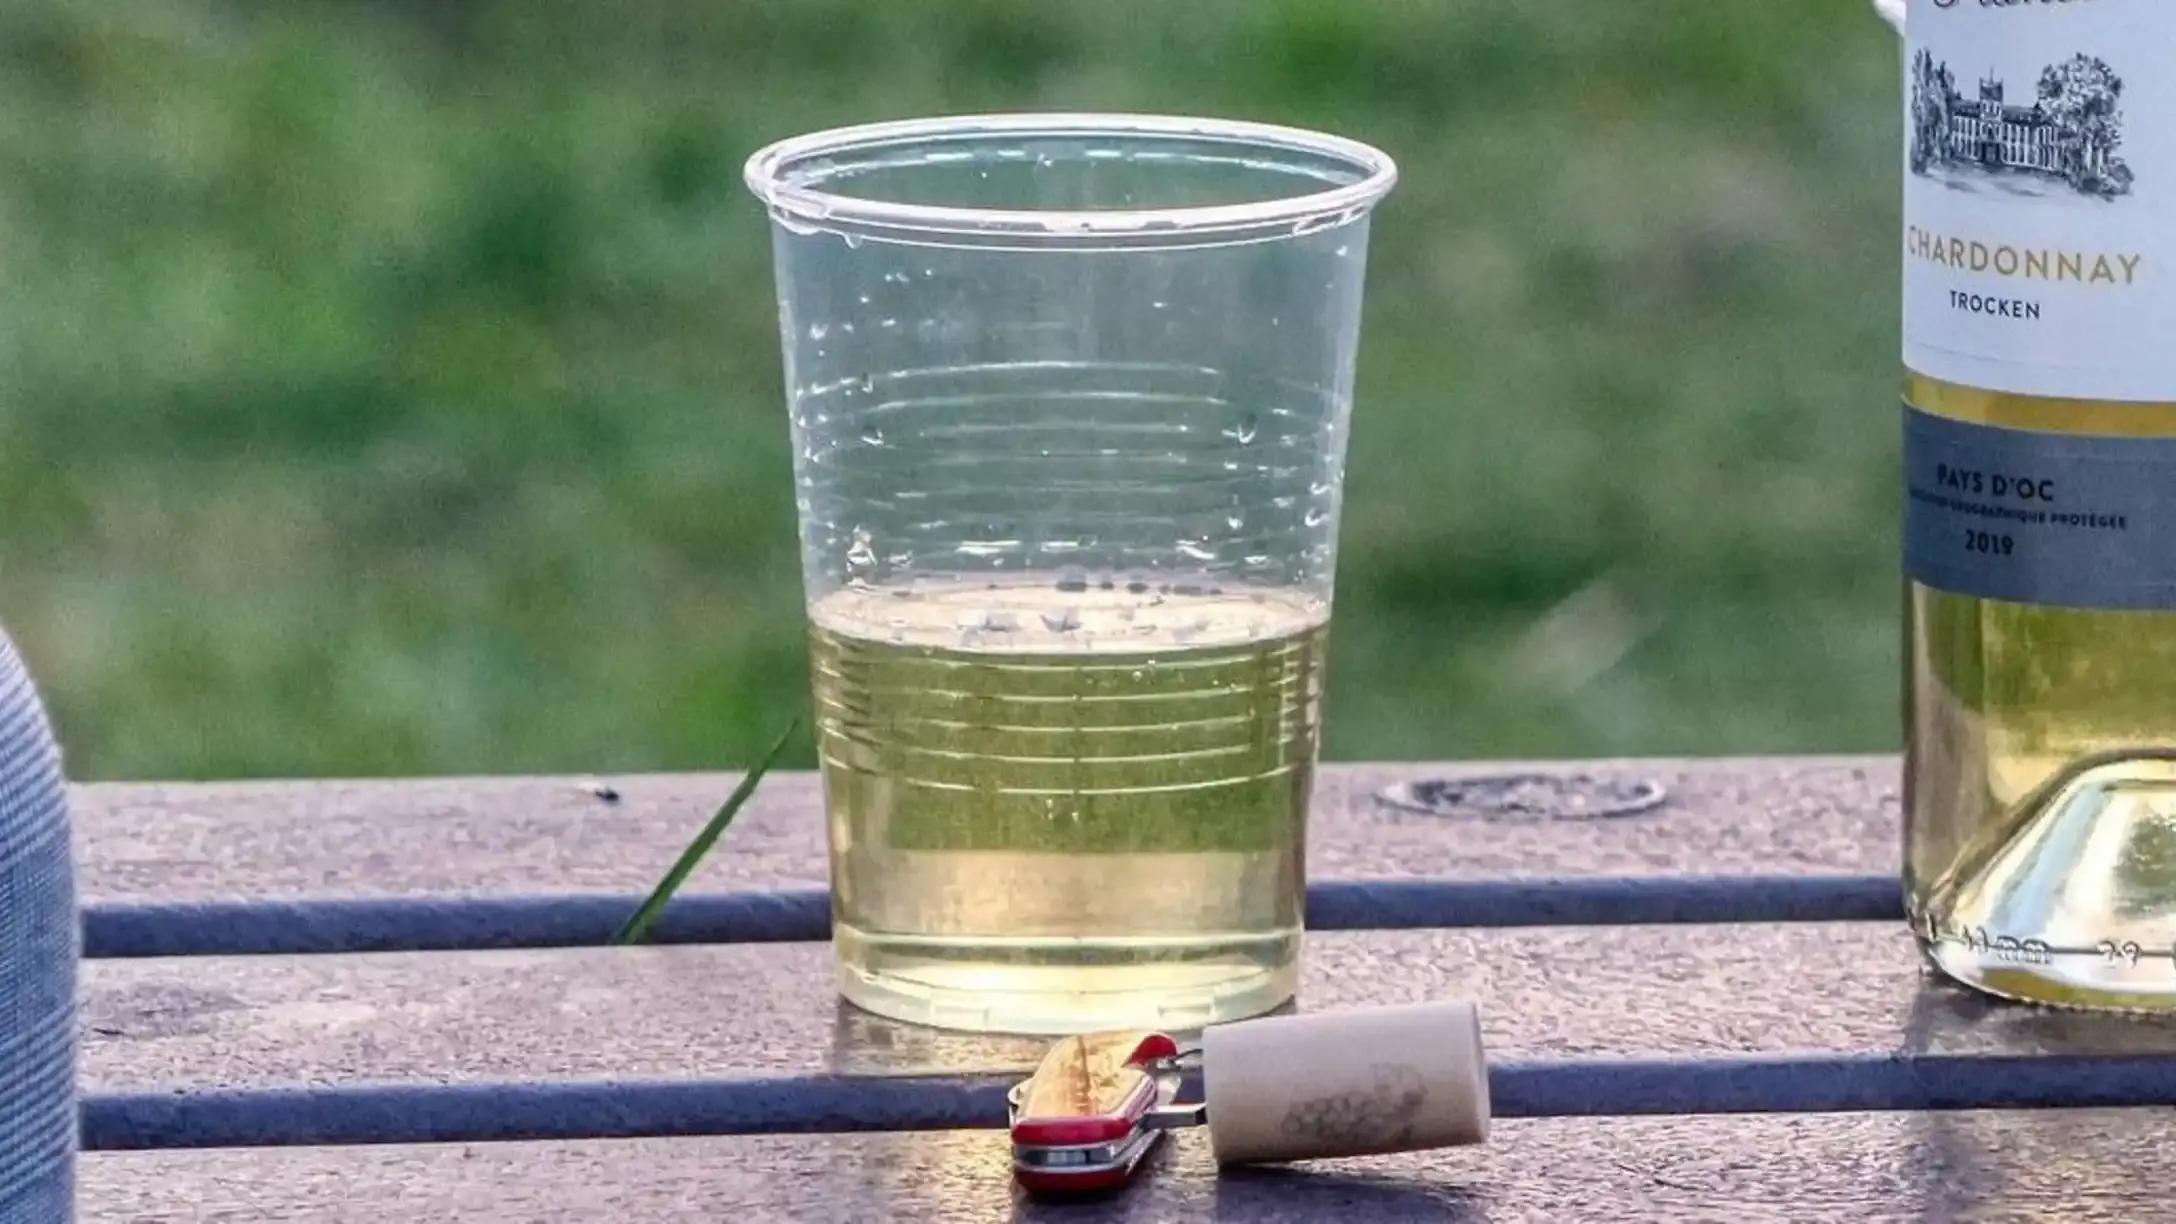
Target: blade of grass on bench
(645, 916)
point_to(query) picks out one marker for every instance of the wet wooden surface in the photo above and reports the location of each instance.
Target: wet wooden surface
(770, 1009)
(1651, 1026)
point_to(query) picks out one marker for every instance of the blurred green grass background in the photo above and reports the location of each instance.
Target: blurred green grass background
(391, 386)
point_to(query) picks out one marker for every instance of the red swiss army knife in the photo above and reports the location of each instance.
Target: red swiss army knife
(1093, 1110)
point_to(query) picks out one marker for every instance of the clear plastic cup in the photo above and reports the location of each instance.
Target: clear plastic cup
(1069, 401)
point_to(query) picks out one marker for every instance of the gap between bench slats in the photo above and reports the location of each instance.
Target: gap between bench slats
(413, 924)
(482, 1113)
(2080, 1166)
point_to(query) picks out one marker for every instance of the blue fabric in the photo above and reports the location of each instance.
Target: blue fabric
(38, 953)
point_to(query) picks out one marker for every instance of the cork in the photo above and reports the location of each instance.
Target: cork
(1355, 1083)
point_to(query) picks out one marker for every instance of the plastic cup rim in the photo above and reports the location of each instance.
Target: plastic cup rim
(765, 173)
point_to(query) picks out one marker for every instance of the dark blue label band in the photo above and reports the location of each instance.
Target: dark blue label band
(2063, 520)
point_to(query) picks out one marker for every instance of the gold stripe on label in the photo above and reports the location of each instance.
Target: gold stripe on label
(2055, 415)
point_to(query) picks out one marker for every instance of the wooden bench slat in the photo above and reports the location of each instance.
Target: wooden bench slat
(181, 842)
(1686, 991)
(2080, 1166)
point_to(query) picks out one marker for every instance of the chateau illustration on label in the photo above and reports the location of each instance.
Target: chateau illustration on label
(2067, 134)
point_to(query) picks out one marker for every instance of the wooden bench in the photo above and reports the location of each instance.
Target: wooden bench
(385, 1001)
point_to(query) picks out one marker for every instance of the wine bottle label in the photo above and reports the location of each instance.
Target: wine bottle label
(2072, 520)
(2040, 196)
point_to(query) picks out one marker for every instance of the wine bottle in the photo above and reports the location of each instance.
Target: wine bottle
(2039, 456)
